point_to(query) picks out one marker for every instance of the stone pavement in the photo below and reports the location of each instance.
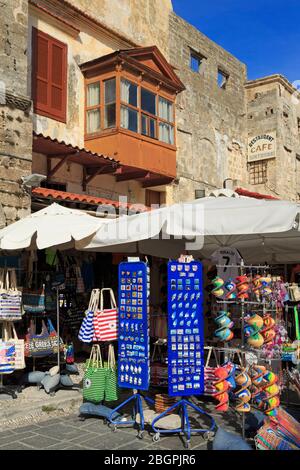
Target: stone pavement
(69, 433)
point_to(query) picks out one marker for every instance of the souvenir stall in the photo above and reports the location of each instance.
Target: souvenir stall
(242, 373)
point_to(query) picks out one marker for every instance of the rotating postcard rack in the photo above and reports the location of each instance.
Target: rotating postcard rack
(185, 346)
(133, 341)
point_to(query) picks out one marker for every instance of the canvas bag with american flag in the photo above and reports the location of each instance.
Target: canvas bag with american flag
(106, 320)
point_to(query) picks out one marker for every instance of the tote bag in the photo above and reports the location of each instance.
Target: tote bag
(209, 375)
(111, 384)
(34, 300)
(86, 332)
(38, 345)
(94, 379)
(7, 355)
(12, 337)
(10, 297)
(106, 320)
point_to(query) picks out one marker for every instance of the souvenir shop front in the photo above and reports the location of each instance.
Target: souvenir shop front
(170, 345)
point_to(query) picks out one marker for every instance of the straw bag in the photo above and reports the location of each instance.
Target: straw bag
(12, 337)
(106, 320)
(111, 384)
(94, 380)
(10, 297)
(86, 332)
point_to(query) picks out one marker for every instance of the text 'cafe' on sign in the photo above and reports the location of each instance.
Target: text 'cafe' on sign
(261, 147)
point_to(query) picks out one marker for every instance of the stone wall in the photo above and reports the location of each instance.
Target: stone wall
(273, 106)
(211, 121)
(15, 111)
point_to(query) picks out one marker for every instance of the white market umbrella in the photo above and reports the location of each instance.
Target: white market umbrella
(53, 226)
(262, 230)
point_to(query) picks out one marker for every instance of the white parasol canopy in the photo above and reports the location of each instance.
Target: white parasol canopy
(53, 226)
(262, 230)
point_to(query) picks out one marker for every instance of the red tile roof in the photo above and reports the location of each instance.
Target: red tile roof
(84, 198)
(246, 192)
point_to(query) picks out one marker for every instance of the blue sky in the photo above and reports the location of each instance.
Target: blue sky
(264, 34)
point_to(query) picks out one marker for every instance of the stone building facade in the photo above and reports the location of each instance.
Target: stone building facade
(273, 108)
(217, 114)
(211, 114)
(15, 111)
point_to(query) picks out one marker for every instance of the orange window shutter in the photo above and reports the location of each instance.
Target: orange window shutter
(49, 76)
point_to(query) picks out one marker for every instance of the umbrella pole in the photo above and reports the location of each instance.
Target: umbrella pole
(57, 329)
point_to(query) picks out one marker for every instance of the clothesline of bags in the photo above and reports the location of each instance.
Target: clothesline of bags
(100, 324)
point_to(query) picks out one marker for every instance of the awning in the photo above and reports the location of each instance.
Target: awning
(54, 195)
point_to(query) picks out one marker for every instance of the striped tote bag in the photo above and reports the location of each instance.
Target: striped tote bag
(86, 332)
(7, 357)
(106, 320)
(111, 384)
(94, 379)
(209, 375)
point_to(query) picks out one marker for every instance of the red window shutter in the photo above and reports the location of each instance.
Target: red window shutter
(49, 76)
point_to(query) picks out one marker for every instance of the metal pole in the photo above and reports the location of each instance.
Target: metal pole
(243, 343)
(57, 328)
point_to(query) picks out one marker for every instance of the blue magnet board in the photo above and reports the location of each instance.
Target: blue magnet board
(185, 329)
(133, 350)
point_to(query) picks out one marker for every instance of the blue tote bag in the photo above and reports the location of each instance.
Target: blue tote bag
(86, 332)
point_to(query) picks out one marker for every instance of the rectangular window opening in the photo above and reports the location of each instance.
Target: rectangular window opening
(196, 62)
(258, 172)
(222, 79)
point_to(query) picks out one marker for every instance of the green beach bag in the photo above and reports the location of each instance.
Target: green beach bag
(111, 385)
(94, 380)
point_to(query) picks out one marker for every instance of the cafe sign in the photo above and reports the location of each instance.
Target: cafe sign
(262, 147)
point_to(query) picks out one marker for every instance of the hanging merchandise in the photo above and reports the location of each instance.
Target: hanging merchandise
(230, 286)
(268, 399)
(296, 316)
(71, 280)
(34, 300)
(257, 373)
(266, 289)
(86, 332)
(94, 377)
(253, 329)
(7, 357)
(268, 330)
(10, 297)
(111, 383)
(256, 287)
(12, 337)
(70, 353)
(242, 394)
(186, 332)
(224, 333)
(106, 320)
(39, 345)
(133, 347)
(218, 290)
(53, 336)
(209, 375)
(243, 287)
(80, 289)
(222, 387)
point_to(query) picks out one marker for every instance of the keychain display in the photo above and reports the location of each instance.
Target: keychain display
(185, 332)
(133, 359)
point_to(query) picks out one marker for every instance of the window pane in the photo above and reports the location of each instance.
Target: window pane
(129, 119)
(110, 115)
(144, 124)
(166, 133)
(128, 92)
(195, 63)
(148, 101)
(152, 128)
(93, 121)
(110, 91)
(165, 110)
(93, 94)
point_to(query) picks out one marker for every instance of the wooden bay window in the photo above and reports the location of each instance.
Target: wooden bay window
(131, 106)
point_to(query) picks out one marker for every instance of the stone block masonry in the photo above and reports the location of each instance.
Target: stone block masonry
(15, 111)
